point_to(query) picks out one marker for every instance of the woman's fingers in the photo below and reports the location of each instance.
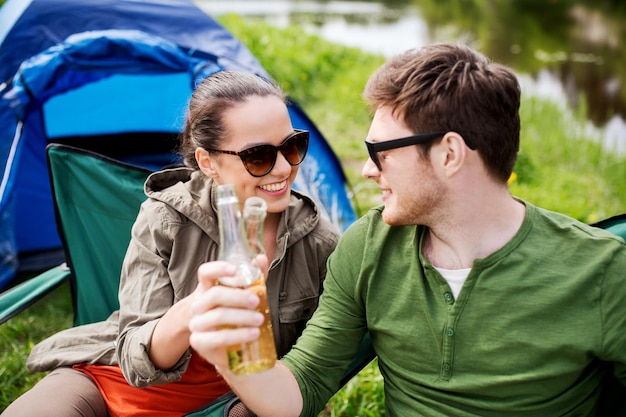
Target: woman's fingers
(210, 272)
(216, 339)
(212, 344)
(222, 316)
(214, 329)
(222, 296)
(225, 318)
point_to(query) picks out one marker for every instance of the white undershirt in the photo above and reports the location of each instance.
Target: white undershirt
(455, 278)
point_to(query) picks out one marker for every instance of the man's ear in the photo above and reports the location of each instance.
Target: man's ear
(454, 153)
(205, 162)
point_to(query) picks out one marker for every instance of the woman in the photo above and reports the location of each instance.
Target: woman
(237, 131)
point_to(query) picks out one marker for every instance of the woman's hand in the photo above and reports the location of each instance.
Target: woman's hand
(222, 316)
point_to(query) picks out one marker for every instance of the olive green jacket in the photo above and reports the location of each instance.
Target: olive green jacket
(176, 231)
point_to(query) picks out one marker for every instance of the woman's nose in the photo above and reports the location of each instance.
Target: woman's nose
(281, 167)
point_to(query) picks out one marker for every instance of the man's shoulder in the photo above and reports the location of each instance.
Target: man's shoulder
(371, 221)
(558, 226)
(370, 230)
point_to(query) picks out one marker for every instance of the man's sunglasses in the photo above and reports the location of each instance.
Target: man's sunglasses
(259, 160)
(374, 147)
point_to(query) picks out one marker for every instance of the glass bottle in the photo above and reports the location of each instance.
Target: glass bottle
(236, 242)
(254, 211)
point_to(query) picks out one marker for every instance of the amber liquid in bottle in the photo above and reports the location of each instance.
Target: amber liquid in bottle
(240, 242)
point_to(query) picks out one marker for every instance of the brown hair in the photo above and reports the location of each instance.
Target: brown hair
(204, 126)
(450, 87)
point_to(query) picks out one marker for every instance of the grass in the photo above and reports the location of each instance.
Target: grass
(561, 167)
(18, 335)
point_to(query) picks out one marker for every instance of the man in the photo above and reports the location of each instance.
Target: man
(478, 303)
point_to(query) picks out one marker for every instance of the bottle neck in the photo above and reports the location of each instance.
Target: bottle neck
(254, 212)
(233, 248)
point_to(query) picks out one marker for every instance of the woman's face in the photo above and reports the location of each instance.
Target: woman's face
(256, 121)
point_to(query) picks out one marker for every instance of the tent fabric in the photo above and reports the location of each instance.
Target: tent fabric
(35, 25)
(113, 76)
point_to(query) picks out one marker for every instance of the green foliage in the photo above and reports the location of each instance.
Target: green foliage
(362, 396)
(563, 167)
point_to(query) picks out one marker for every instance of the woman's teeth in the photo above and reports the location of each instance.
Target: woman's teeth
(274, 187)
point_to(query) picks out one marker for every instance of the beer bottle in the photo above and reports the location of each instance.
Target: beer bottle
(238, 237)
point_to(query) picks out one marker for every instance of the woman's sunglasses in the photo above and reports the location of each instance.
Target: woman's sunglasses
(259, 160)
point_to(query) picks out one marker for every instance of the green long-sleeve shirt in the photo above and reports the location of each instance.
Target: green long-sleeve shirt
(527, 336)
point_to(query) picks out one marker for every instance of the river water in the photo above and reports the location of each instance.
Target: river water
(385, 29)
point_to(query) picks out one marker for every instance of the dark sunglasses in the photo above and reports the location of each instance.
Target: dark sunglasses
(259, 160)
(374, 147)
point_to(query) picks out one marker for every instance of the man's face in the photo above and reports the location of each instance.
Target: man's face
(410, 188)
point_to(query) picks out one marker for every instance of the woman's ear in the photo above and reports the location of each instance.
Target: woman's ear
(205, 162)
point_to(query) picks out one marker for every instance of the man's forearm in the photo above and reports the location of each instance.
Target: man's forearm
(272, 393)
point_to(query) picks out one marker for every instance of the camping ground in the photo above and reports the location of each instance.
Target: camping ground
(560, 167)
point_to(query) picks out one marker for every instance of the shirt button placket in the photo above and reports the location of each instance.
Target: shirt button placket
(448, 342)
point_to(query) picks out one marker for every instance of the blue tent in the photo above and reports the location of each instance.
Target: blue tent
(112, 76)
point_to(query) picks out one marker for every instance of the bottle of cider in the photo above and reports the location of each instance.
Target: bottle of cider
(240, 241)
